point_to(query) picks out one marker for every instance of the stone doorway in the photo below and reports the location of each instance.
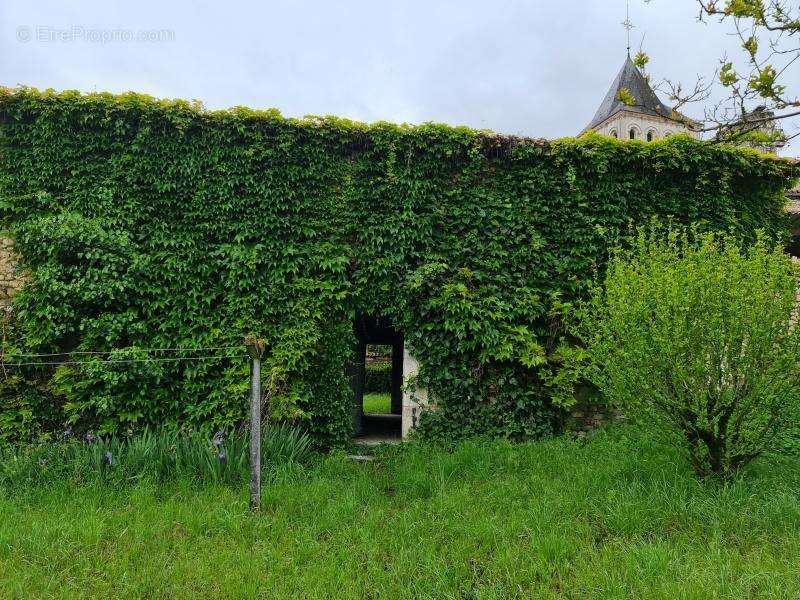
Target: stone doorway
(377, 412)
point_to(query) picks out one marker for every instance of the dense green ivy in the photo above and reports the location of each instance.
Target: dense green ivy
(149, 223)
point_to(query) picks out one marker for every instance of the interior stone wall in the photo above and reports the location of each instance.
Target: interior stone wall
(414, 399)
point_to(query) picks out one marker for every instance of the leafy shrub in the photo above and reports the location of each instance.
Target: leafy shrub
(26, 412)
(85, 266)
(378, 378)
(159, 455)
(697, 339)
(147, 223)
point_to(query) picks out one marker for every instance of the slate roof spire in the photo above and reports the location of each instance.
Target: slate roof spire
(637, 87)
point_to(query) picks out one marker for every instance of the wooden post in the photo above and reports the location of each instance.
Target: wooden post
(255, 349)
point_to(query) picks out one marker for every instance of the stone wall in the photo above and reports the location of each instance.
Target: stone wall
(589, 413)
(414, 399)
(587, 416)
(11, 279)
(620, 125)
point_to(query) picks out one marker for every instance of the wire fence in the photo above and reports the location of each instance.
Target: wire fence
(97, 357)
(254, 352)
(203, 349)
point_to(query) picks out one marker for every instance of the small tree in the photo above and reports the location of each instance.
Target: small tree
(758, 82)
(698, 337)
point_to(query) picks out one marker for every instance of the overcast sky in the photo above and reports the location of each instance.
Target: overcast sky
(535, 67)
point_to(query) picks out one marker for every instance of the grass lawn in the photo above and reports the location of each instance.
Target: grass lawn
(611, 518)
(378, 403)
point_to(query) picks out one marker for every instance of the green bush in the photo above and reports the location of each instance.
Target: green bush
(378, 378)
(149, 223)
(697, 339)
(157, 455)
(26, 412)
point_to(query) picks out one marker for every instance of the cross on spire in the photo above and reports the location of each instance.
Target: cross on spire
(627, 24)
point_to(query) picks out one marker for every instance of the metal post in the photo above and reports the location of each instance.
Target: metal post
(255, 348)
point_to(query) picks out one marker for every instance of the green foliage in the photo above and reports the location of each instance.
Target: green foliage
(753, 9)
(149, 223)
(626, 97)
(727, 75)
(84, 266)
(378, 403)
(378, 378)
(26, 412)
(750, 45)
(696, 338)
(760, 139)
(765, 83)
(155, 455)
(610, 517)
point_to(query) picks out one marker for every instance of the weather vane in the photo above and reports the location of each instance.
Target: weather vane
(627, 24)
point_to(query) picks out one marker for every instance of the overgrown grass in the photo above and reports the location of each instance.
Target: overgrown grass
(615, 517)
(378, 403)
(158, 456)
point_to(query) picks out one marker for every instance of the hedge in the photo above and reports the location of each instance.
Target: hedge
(378, 378)
(147, 223)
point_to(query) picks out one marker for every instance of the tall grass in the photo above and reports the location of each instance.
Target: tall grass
(159, 455)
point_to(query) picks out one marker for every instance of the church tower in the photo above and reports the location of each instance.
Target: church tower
(632, 111)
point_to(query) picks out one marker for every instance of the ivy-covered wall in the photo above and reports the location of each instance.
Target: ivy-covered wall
(148, 223)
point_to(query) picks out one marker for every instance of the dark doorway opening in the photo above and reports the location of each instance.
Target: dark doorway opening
(794, 242)
(377, 380)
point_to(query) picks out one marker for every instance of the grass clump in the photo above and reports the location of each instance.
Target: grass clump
(156, 455)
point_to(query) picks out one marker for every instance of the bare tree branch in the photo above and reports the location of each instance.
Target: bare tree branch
(757, 98)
